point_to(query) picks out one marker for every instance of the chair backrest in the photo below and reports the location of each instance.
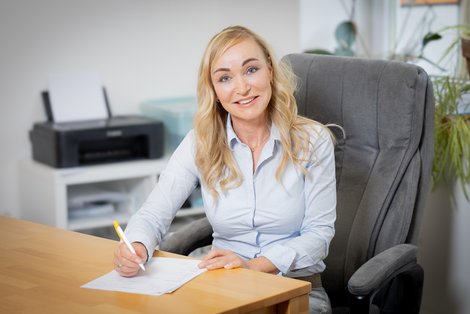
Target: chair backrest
(383, 165)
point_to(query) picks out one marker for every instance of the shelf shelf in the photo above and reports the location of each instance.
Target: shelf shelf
(51, 189)
(109, 172)
(97, 221)
(47, 203)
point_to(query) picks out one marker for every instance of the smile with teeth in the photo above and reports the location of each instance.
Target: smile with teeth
(246, 101)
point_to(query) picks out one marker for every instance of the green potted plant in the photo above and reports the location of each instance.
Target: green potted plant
(452, 114)
(452, 130)
(345, 35)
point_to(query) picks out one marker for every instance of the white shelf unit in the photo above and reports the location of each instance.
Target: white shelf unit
(45, 191)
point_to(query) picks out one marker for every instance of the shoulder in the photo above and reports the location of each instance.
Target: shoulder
(318, 132)
(183, 158)
(321, 141)
(189, 138)
(186, 148)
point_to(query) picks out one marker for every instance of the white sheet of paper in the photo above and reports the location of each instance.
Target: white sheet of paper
(162, 275)
(76, 97)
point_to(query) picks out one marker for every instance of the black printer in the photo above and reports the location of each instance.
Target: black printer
(120, 138)
(81, 143)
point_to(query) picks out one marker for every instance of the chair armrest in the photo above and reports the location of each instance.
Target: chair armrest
(373, 274)
(194, 235)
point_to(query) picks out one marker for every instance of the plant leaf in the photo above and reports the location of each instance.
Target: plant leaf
(430, 37)
(346, 33)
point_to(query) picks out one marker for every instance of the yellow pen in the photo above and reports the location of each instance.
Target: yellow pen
(123, 238)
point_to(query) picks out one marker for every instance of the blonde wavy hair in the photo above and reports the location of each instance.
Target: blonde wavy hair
(214, 158)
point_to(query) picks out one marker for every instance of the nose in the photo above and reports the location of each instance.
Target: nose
(242, 85)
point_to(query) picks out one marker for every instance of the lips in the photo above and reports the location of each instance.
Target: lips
(246, 101)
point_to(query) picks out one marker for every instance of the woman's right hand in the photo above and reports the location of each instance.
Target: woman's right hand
(125, 262)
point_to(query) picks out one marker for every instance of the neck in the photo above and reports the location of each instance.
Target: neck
(254, 136)
(259, 143)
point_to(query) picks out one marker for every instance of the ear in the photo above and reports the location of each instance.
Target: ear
(270, 65)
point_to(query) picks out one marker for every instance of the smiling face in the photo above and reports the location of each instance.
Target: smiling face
(241, 77)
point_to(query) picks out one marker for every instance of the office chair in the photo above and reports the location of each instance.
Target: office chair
(383, 172)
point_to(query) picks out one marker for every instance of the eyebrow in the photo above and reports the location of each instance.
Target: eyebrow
(227, 69)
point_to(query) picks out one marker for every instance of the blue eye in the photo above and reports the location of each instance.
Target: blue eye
(252, 70)
(224, 78)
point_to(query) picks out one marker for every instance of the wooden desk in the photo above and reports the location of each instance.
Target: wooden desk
(42, 269)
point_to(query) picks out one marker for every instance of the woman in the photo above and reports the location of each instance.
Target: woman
(267, 175)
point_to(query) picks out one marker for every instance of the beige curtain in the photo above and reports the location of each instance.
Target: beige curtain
(465, 11)
(464, 19)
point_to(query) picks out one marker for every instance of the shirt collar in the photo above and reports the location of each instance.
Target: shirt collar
(232, 137)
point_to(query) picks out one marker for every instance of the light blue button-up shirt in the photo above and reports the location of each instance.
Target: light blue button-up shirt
(289, 222)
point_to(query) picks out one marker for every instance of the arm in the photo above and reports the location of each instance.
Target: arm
(150, 224)
(310, 247)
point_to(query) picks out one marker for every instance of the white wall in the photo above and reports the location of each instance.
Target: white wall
(445, 251)
(383, 27)
(320, 18)
(412, 23)
(142, 49)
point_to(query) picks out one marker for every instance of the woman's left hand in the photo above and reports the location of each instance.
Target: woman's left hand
(222, 259)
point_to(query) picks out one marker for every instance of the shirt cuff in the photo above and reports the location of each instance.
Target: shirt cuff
(281, 256)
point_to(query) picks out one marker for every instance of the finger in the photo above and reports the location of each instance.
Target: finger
(234, 264)
(116, 255)
(208, 258)
(116, 262)
(219, 261)
(126, 257)
(127, 271)
(216, 264)
(129, 264)
(210, 255)
(209, 263)
(217, 253)
(124, 251)
(118, 259)
(141, 252)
